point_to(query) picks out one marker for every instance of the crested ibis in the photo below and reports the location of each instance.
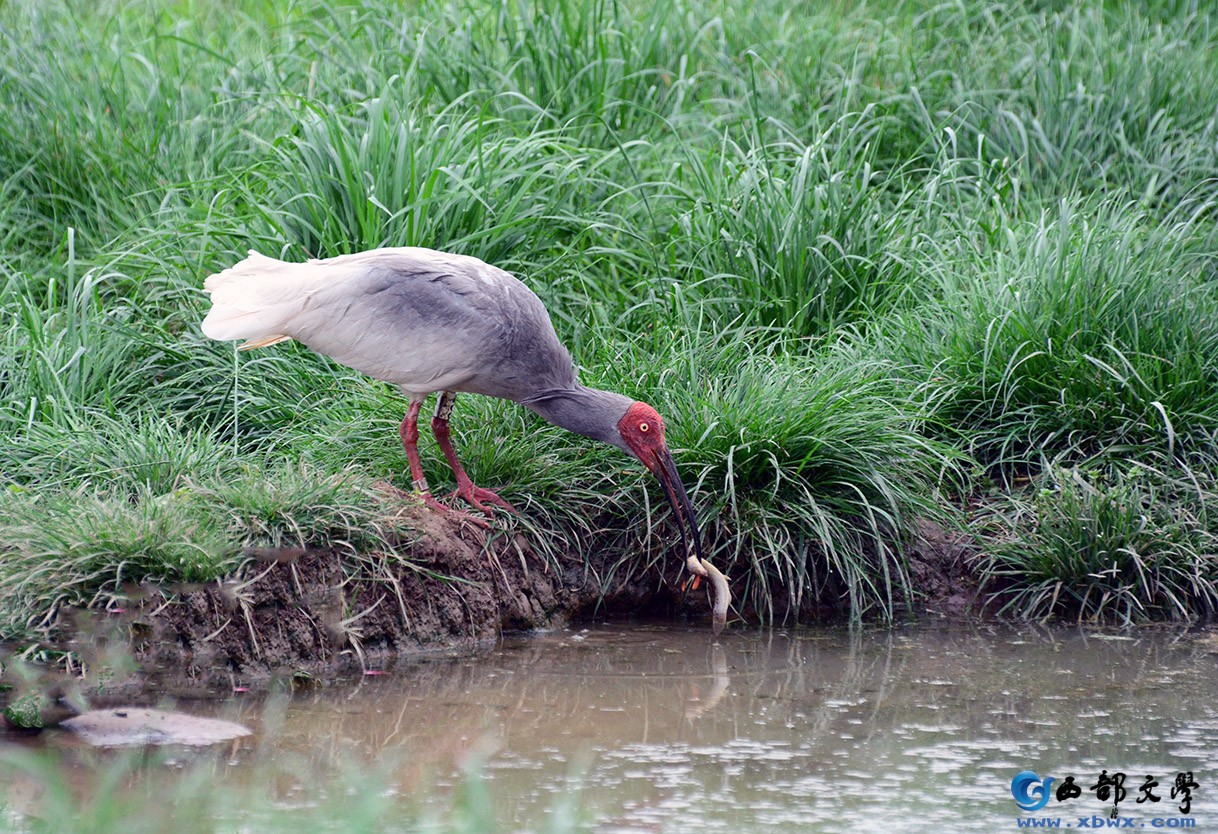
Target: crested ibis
(430, 322)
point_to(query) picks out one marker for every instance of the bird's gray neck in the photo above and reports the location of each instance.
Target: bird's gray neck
(587, 411)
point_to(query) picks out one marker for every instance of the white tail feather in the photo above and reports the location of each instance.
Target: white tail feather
(255, 298)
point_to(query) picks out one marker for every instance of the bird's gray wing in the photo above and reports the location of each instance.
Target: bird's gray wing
(420, 319)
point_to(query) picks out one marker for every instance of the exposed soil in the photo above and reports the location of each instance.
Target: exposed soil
(298, 616)
(317, 611)
(310, 611)
(943, 569)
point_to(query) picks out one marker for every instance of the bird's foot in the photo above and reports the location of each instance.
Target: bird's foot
(475, 496)
(432, 503)
(462, 516)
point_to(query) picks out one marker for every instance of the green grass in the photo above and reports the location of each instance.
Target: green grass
(1084, 332)
(863, 257)
(80, 544)
(1109, 544)
(153, 791)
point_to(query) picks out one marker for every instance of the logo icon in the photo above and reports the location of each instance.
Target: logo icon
(1031, 794)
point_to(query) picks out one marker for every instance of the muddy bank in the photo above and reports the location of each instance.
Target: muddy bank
(321, 612)
(298, 617)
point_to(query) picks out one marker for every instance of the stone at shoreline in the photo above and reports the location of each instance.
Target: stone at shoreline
(128, 726)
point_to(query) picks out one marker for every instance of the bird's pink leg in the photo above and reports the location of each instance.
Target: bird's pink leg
(473, 495)
(409, 430)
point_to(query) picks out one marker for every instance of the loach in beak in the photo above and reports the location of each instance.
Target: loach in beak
(665, 470)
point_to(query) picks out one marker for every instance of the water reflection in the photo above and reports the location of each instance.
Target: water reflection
(763, 731)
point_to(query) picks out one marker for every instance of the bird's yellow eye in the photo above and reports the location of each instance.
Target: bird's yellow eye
(644, 427)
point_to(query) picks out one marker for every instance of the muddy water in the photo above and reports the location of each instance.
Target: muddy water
(666, 730)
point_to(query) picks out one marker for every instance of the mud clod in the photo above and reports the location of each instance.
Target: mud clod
(942, 567)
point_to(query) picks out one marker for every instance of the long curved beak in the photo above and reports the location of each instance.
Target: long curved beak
(665, 470)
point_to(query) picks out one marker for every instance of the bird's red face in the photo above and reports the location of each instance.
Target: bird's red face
(643, 432)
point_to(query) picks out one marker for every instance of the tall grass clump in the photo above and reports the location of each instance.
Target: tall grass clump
(1104, 100)
(1084, 332)
(128, 124)
(1102, 543)
(599, 70)
(790, 235)
(390, 175)
(63, 346)
(807, 472)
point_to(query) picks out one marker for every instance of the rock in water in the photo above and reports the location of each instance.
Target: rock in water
(126, 726)
(25, 713)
